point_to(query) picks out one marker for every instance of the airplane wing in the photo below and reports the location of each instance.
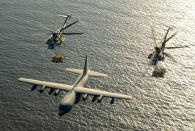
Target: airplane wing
(80, 90)
(95, 92)
(47, 84)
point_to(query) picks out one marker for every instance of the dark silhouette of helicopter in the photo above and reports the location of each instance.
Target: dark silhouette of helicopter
(56, 37)
(159, 51)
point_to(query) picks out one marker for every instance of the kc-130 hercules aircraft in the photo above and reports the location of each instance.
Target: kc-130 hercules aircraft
(76, 90)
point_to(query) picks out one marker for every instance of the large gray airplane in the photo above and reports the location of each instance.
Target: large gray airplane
(75, 90)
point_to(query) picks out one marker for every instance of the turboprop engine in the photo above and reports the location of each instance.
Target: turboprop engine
(112, 101)
(51, 91)
(85, 96)
(57, 92)
(42, 89)
(33, 87)
(94, 98)
(99, 98)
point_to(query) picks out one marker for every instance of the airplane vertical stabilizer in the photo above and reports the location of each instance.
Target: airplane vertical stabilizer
(86, 68)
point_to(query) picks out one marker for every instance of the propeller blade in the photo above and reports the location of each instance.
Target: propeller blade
(177, 47)
(72, 33)
(42, 26)
(71, 24)
(171, 57)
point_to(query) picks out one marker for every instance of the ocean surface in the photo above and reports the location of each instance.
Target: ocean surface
(117, 38)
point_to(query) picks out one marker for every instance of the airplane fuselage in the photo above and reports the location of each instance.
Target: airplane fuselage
(71, 97)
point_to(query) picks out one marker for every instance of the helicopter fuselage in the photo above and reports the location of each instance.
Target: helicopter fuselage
(55, 39)
(158, 54)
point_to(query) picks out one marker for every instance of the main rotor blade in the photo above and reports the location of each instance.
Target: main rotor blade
(68, 17)
(72, 33)
(62, 16)
(141, 50)
(149, 44)
(71, 24)
(163, 41)
(176, 47)
(55, 22)
(171, 57)
(43, 42)
(154, 36)
(37, 34)
(165, 37)
(170, 37)
(62, 41)
(42, 26)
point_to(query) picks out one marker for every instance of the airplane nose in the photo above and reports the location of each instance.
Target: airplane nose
(60, 114)
(63, 109)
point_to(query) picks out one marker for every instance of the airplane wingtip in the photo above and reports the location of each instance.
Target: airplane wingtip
(19, 79)
(105, 75)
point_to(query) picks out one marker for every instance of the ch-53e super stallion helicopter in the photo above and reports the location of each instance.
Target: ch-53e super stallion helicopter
(56, 37)
(159, 52)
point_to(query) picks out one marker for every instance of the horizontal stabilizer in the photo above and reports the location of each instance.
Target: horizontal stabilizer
(77, 71)
(91, 73)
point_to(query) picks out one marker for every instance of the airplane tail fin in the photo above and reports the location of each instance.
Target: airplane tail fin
(86, 67)
(86, 70)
